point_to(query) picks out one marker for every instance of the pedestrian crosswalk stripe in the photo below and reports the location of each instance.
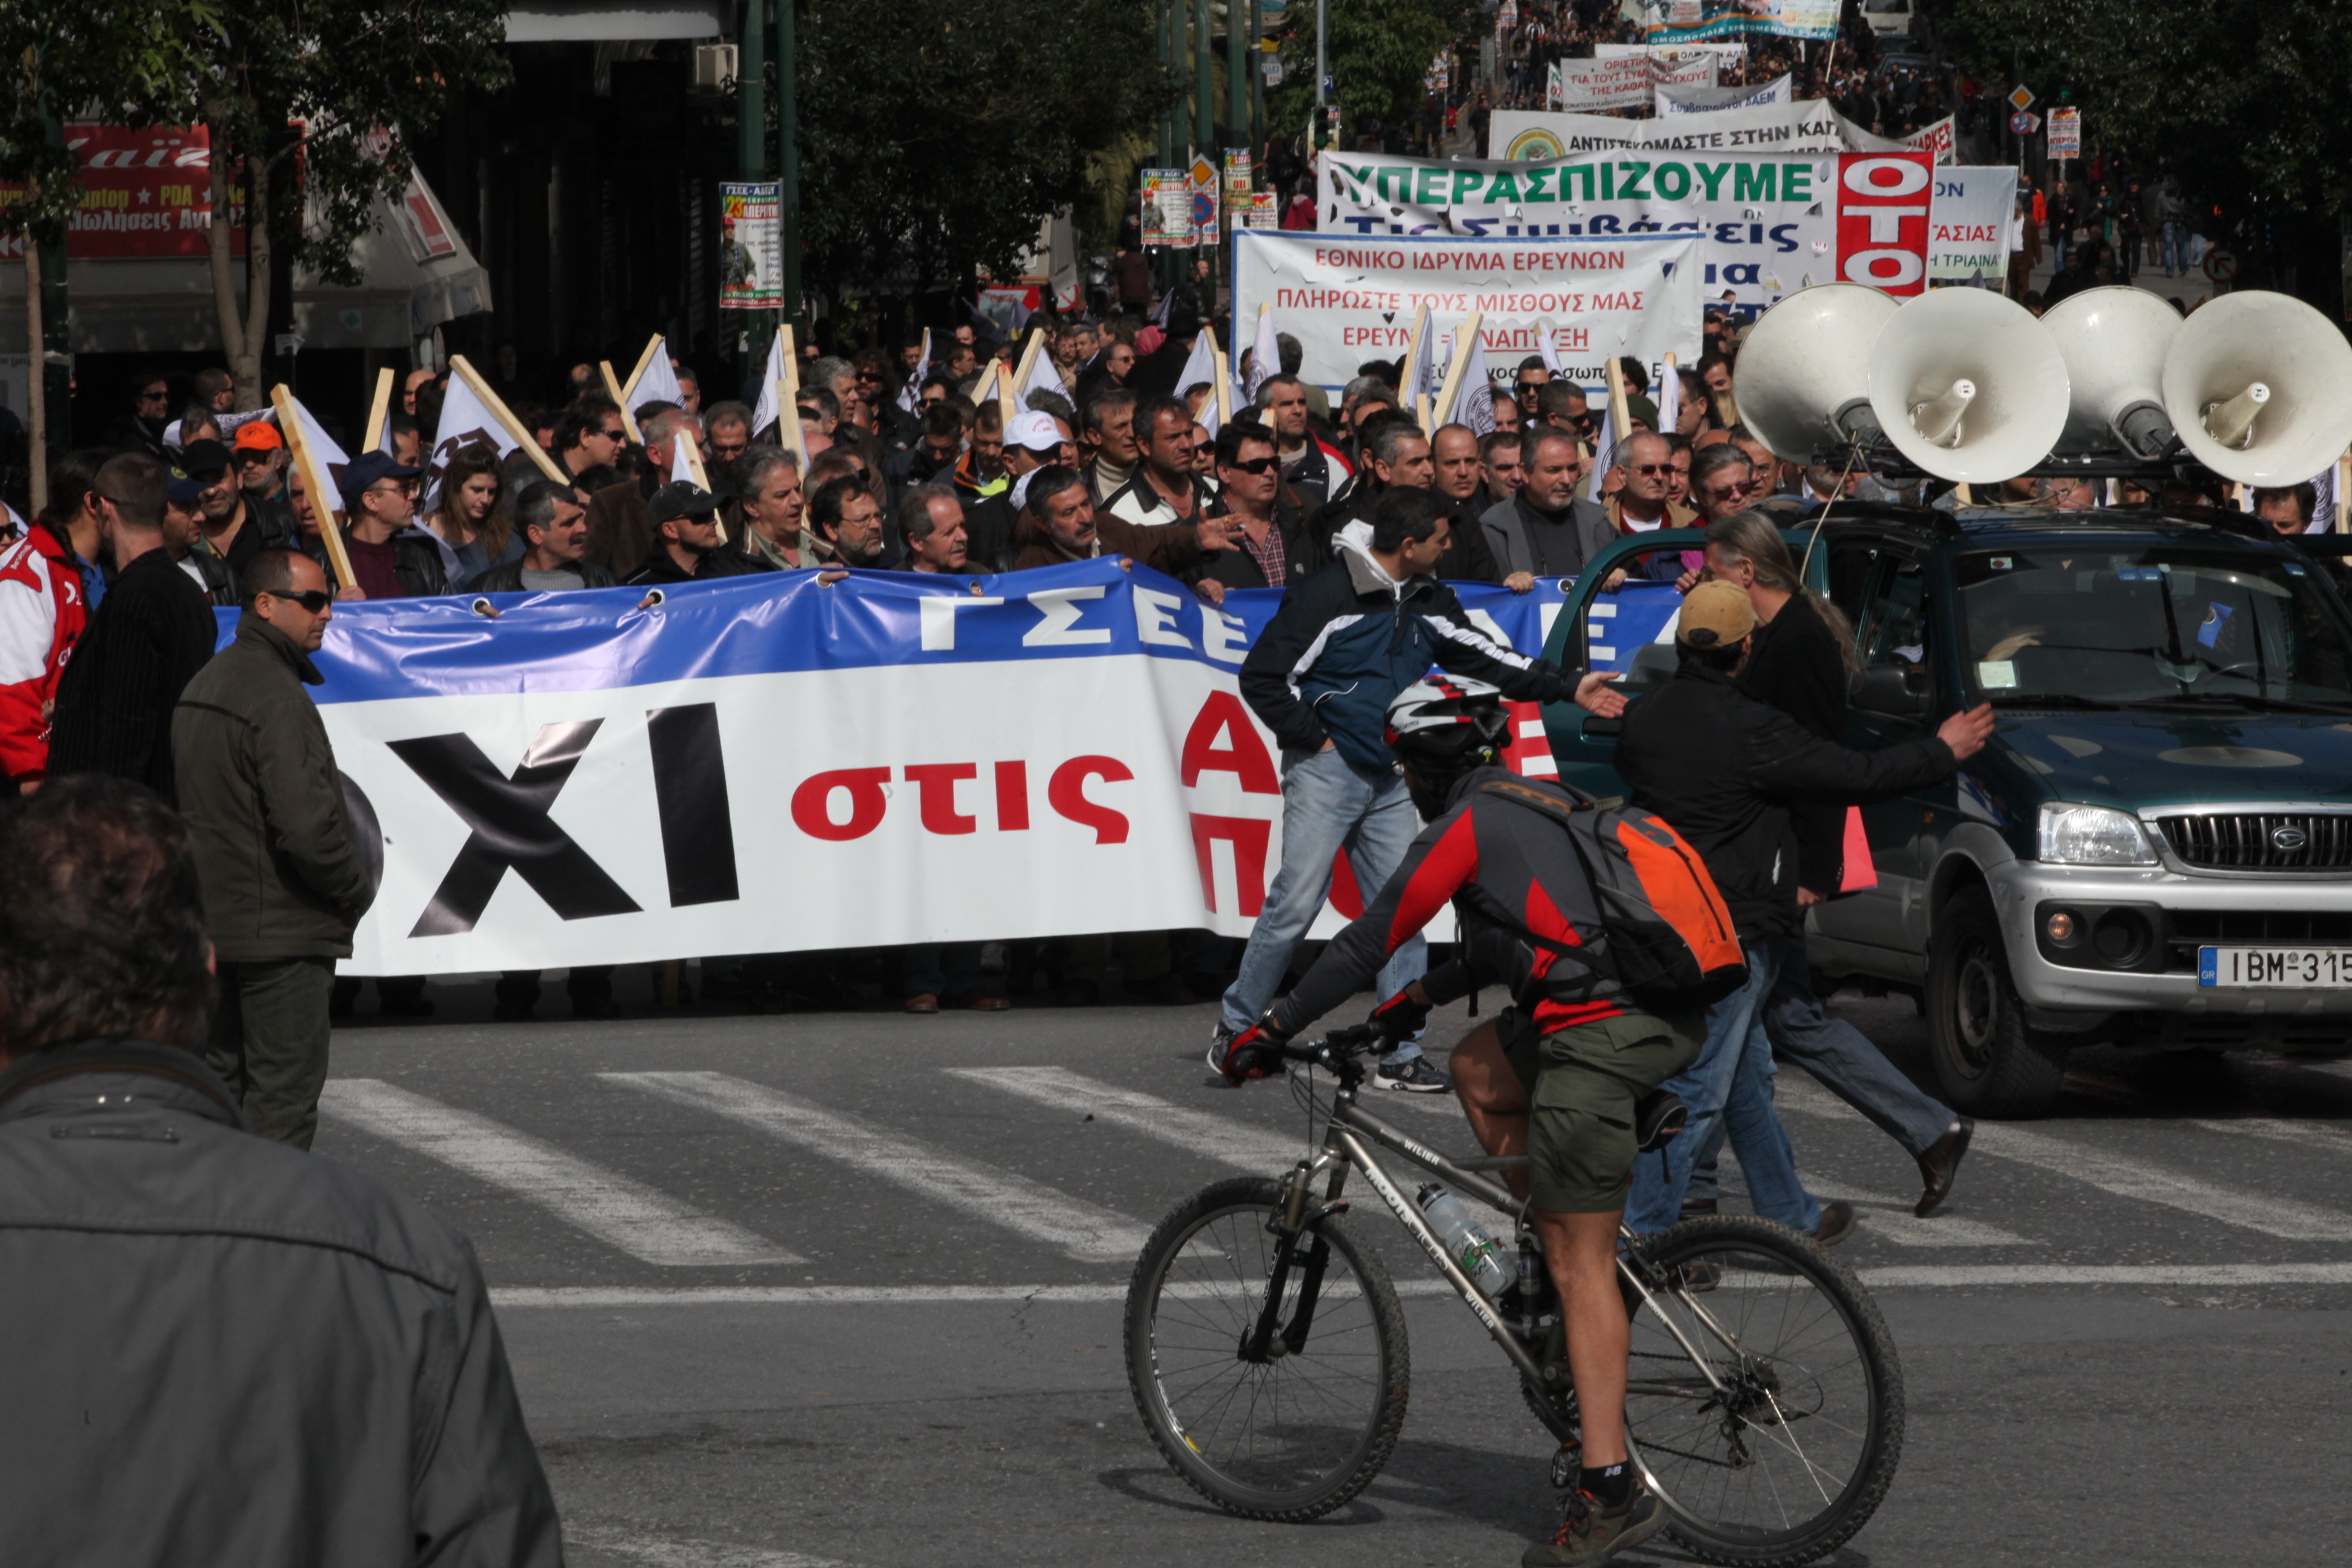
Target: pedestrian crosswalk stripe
(2329, 1136)
(648, 1224)
(1218, 1138)
(2129, 1178)
(1082, 1230)
(675, 1551)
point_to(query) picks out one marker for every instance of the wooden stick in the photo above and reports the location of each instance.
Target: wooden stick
(1008, 395)
(788, 395)
(380, 409)
(1466, 346)
(685, 433)
(318, 483)
(1028, 359)
(1620, 414)
(504, 415)
(2343, 492)
(644, 360)
(1413, 349)
(613, 387)
(1220, 379)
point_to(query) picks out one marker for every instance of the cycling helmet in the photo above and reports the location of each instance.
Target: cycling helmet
(1446, 724)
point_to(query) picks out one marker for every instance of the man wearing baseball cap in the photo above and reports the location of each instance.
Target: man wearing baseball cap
(1033, 440)
(231, 529)
(391, 556)
(686, 540)
(1723, 770)
(259, 453)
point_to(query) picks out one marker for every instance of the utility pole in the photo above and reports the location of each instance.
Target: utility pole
(788, 150)
(752, 143)
(1204, 81)
(1257, 134)
(1167, 31)
(1237, 118)
(1322, 78)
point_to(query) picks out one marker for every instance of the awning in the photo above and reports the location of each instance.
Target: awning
(593, 21)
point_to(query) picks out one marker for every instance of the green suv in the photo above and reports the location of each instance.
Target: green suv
(2157, 847)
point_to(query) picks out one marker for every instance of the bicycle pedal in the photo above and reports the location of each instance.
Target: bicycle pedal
(1566, 1465)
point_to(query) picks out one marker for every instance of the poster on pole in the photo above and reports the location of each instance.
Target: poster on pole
(1265, 210)
(2065, 134)
(1238, 185)
(750, 246)
(1348, 301)
(1167, 208)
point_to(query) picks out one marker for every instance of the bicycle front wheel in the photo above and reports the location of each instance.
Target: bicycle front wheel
(1786, 1451)
(1292, 1434)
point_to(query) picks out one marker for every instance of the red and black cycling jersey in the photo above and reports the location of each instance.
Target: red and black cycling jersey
(1485, 851)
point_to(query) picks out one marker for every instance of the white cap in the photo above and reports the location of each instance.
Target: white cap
(1033, 430)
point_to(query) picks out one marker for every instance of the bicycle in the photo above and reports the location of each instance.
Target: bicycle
(1266, 1347)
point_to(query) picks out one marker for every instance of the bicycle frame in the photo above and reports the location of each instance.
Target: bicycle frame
(1348, 1140)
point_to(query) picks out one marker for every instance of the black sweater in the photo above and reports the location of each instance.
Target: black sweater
(1795, 667)
(152, 632)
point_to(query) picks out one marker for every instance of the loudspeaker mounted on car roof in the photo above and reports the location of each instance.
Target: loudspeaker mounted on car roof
(2113, 341)
(1804, 369)
(1968, 385)
(2260, 387)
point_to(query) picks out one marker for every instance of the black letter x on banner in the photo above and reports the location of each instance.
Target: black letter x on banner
(511, 829)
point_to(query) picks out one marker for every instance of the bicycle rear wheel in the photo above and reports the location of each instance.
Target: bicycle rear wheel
(1296, 1434)
(1790, 1457)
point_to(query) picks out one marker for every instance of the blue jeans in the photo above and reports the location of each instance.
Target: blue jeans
(2174, 261)
(1841, 1057)
(1730, 1085)
(1328, 805)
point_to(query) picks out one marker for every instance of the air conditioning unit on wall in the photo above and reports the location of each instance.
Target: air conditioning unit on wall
(714, 67)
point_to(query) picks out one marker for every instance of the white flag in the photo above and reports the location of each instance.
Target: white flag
(910, 396)
(658, 383)
(1199, 367)
(1670, 400)
(1604, 450)
(1042, 377)
(329, 458)
(1473, 402)
(465, 422)
(765, 412)
(1550, 350)
(1266, 357)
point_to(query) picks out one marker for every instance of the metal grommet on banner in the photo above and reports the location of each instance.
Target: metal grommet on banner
(485, 609)
(974, 587)
(653, 600)
(1125, 564)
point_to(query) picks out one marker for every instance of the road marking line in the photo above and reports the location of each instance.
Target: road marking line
(1085, 1231)
(671, 1552)
(1219, 1137)
(1922, 1276)
(2330, 1136)
(648, 1224)
(1887, 1217)
(2127, 1177)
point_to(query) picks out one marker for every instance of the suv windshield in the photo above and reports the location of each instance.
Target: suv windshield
(2160, 624)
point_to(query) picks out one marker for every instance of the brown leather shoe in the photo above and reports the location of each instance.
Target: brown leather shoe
(977, 1002)
(1940, 1163)
(1694, 1207)
(1838, 1220)
(923, 1001)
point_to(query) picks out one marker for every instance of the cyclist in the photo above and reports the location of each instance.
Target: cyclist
(1597, 1052)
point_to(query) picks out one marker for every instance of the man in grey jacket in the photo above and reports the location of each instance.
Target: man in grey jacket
(283, 881)
(220, 1350)
(1543, 529)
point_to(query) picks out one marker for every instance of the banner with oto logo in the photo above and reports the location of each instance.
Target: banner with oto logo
(767, 764)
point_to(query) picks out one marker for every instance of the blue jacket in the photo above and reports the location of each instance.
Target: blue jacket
(1347, 639)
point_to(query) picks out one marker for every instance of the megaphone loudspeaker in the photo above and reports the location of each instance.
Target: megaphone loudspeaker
(2113, 341)
(2260, 387)
(1804, 368)
(1968, 385)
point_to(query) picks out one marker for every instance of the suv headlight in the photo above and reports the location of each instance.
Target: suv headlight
(2092, 836)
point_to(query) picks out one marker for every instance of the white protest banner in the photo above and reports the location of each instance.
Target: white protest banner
(1769, 224)
(1347, 301)
(1679, 99)
(1726, 55)
(1938, 139)
(2065, 134)
(771, 379)
(769, 765)
(1968, 221)
(1623, 81)
(1798, 126)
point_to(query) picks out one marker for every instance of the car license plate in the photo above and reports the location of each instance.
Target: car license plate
(2286, 968)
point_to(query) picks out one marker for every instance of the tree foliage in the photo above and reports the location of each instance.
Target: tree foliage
(1379, 52)
(935, 135)
(2239, 98)
(125, 65)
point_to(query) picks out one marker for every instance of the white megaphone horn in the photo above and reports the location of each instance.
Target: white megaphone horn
(1804, 369)
(1966, 385)
(2113, 341)
(2260, 387)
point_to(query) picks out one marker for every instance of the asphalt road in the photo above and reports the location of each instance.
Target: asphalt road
(843, 1289)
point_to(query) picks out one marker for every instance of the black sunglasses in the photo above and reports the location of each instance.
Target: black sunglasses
(311, 599)
(1256, 465)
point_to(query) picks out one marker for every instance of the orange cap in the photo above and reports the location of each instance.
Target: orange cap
(257, 435)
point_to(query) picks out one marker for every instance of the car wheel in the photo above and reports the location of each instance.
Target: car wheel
(1987, 1060)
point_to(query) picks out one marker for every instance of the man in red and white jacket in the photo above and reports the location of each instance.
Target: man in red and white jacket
(42, 613)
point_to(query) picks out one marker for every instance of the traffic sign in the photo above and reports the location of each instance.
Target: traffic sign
(2021, 97)
(2024, 124)
(2222, 266)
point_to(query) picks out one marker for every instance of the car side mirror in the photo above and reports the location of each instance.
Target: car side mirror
(1897, 690)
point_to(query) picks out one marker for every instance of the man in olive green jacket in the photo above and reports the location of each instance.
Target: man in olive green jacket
(282, 879)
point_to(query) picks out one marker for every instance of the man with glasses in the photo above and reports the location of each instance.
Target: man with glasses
(232, 530)
(1271, 547)
(1527, 385)
(141, 430)
(282, 879)
(590, 437)
(144, 644)
(621, 524)
(1311, 465)
(391, 556)
(1641, 504)
(1562, 405)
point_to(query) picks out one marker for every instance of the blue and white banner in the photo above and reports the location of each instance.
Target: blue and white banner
(766, 764)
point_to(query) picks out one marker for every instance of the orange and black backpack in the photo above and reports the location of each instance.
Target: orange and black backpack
(1669, 940)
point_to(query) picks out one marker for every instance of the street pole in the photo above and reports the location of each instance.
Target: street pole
(1168, 29)
(1236, 80)
(1322, 80)
(751, 142)
(1204, 81)
(788, 151)
(1257, 136)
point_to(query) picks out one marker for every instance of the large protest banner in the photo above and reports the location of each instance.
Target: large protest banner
(1969, 226)
(1348, 299)
(1769, 225)
(1623, 81)
(769, 764)
(1787, 125)
(1681, 21)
